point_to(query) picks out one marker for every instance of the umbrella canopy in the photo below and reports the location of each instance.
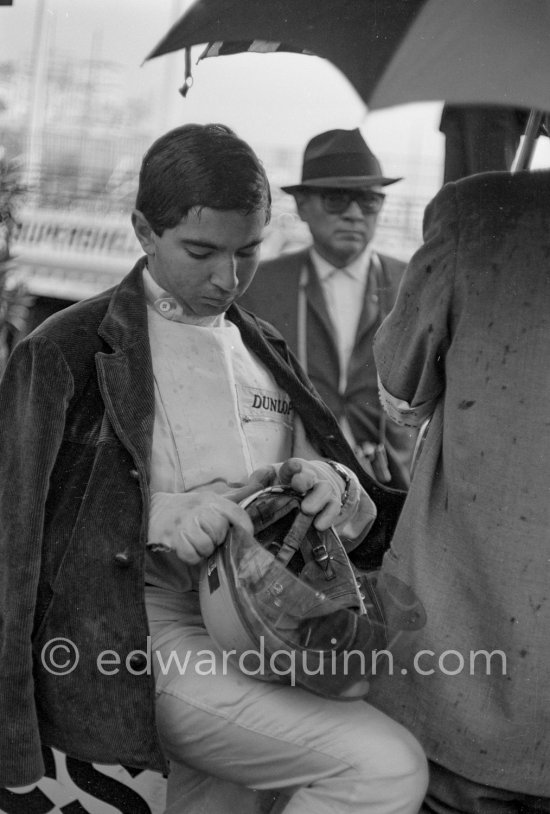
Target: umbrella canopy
(395, 51)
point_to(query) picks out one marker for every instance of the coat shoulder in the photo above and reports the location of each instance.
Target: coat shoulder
(499, 194)
(279, 271)
(77, 321)
(273, 282)
(72, 335)
(393, 269)
(284, 262)
(392, 263)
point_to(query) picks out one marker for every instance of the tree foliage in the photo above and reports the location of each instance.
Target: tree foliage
(13, 299)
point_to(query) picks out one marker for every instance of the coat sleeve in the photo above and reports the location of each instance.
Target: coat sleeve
(34, 394)
(411, 344)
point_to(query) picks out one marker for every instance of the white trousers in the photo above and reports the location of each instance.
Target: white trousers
(228, 733)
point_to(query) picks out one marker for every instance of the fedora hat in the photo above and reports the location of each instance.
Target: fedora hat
(340, 158)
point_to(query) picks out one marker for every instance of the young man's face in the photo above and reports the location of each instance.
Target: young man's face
(339, 238)
(207, 260)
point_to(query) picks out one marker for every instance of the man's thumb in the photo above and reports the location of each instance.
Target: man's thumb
(288, 469)
(260, 479)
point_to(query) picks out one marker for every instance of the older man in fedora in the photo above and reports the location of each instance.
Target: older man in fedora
(329, 299)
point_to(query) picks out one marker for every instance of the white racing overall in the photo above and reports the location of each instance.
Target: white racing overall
(219, 415)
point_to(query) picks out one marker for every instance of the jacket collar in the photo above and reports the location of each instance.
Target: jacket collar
(358, 269)
(126, 375)
(125, 322)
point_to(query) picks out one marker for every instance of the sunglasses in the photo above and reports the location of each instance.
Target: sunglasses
(337, 201)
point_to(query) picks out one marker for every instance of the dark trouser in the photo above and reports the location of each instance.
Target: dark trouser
(449, 793)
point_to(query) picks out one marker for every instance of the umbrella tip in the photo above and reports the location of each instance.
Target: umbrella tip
(187, 85)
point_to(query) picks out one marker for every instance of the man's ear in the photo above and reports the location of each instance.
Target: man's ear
(144, 232)
(301, 199)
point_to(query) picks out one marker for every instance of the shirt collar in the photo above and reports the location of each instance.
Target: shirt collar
(166, 305)
(357, 269)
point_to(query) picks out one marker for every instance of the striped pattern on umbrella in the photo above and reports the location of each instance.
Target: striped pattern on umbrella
(221, 48)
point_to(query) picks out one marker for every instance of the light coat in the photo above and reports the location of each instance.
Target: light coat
(469, 339)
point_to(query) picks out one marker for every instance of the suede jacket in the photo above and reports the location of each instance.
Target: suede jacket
(77, 408)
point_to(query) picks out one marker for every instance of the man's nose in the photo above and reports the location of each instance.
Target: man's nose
(225, 274)
(353, 210)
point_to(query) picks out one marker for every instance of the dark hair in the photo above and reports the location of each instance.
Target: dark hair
(200, 166)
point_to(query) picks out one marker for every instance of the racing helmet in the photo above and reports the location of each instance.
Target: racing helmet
(288, 606)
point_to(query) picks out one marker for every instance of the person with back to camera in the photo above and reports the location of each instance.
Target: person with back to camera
(130, 434)
(328, 299)
(466, 346)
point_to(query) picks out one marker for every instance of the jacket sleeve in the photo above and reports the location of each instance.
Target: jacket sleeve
(34, 394)
(411, 344)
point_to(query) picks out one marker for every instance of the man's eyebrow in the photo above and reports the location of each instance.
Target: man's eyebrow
(253, 243)
(205, 244)
(202, 243)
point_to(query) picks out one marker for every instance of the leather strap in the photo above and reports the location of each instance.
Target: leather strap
(301, 325)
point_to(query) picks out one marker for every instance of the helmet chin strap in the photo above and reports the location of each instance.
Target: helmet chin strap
(295, 540)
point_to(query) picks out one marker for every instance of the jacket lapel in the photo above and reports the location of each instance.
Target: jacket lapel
(317, 302)
(371, 302)
(126, 375)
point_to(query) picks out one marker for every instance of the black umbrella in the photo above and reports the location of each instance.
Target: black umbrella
(393, 51)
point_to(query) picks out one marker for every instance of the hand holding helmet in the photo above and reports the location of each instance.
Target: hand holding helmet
(193, 524)
(327, 496)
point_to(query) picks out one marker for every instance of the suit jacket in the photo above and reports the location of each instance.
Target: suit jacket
(77, 405)
(273, 295)
(469, 337)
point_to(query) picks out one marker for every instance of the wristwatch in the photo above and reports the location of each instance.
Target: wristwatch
(343, 472)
